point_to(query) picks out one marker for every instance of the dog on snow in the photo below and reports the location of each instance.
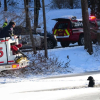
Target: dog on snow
(91, 81)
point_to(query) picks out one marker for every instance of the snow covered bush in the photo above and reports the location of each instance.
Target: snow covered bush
(40, 65)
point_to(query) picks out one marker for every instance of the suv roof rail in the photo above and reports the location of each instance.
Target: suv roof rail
(61, 19)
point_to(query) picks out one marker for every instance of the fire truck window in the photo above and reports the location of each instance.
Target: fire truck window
(62, 26)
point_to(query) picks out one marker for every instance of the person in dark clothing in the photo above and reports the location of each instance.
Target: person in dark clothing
(8, 30)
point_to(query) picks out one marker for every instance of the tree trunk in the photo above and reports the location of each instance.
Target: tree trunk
(35, 24)
(71, 4)
(5, 5)
(36, 14)
(0, 3)
(45, 34)
(28, 25)
(86, 27)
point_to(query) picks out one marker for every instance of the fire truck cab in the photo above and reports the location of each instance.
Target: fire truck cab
(8, 60)
(70, 31)
(94, 24)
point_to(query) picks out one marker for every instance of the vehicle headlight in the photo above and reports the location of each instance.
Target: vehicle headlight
(55, 36)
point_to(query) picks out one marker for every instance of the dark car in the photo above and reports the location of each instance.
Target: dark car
(39, 41)
(51, 40)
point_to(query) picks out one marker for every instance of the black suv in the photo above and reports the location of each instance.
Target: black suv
(51, 40)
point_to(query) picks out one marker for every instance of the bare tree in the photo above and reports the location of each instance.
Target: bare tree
(36, 13)
(71, 4)
(86, 27)
(0, 3)
(45, 34)
(28, 25)
(27, 15)
(5, 5)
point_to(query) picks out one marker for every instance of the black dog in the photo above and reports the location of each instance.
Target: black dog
(91, 81)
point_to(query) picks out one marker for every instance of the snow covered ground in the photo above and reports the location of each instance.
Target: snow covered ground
(42, 88)
(47, 89)
(27, 91)
(35, 87)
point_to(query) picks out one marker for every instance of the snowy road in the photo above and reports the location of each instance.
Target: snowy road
(60, 88)
(85, 96)
(90, 73)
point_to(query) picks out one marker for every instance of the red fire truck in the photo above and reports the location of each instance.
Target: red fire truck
(8, 60)
(69, 30)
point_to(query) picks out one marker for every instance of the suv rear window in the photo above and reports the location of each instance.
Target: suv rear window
(62, 26)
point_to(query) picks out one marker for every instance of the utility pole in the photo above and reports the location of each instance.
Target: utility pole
(45, 33)
(86, 27)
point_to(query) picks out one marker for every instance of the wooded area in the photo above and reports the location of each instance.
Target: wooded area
(92, 4)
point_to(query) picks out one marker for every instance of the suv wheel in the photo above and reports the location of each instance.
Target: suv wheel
(50, 44)
(94, 41)
(81, 40)
(64, 44)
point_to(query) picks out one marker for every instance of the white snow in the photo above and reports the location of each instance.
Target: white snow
(46, 89)
(39, 88)
(42, 88)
